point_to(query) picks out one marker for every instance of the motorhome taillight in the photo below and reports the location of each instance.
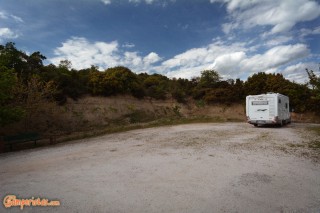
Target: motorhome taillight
(275, 119)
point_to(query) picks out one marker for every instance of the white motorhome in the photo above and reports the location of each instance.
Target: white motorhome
(268, 109)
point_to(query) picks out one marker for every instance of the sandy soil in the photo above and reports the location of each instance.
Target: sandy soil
(229, 167)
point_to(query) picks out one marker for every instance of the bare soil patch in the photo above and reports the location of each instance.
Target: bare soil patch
(224, 167)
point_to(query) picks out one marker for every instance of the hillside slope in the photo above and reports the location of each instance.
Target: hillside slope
(96, 113)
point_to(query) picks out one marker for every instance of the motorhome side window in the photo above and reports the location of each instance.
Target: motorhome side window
(279, 101)
(286, 105)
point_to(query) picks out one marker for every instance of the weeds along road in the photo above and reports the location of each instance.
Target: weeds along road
(223, 167)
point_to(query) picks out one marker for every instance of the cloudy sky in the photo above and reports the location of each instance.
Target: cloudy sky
(176, 38)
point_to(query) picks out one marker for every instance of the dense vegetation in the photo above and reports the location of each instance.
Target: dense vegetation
(26, 83)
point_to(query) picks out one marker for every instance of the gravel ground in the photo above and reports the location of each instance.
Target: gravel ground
(228, 167)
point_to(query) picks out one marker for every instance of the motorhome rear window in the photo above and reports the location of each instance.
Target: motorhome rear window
(259, 102)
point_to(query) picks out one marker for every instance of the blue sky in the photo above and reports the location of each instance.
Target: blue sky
(176, 38)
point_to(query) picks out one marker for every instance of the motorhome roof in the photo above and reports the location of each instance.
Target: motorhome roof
(267, 94)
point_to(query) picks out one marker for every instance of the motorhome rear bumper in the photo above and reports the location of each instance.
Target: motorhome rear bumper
(261, 122)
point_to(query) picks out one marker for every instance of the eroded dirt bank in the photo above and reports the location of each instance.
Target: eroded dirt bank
(228, 167)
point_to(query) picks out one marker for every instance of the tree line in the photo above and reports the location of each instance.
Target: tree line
(25, 82)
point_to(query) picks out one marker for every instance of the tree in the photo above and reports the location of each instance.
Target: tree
(238, 88)
(95, 82)
(9, 113)
(256, 84)
(36, 98)
(113, 81)
(13, 59)
(119, 80)
(180, 89)
(262, 83)
(209, 79)
(35, 62)
(314, 82)
(220, 95)
(70, 83)
(65, 64)
(299, 96)
(156, 86)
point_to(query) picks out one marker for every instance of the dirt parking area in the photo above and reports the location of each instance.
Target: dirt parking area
(221, 167)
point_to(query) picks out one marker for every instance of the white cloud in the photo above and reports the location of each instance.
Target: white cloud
(149, 1)
(305, 32)
(106, 2)
(12, 21)
(278, 40)
(186, 73)
(193, 61)
(237, 4)
(273, 58)
(17, 19)
(6, 33)
(190, 58)
(316, 31)
(132, 59)
(146, 1)
(297, 72)
(151, 58)
(281, 15)
(4, 15)
(158, 2)
(228, 27)
(128, 45)
(83, 53)
(231, 61)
